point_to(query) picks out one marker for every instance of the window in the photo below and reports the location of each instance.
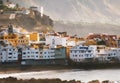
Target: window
(82, 51)
(24, 56)
(41, 56)
(9, 49)
(9, 57)
(10, 53)
(89, 50)
(24, 52)
(36, 52)
(87, 55)
(40, 52)
(75, 51)
(32, 56)
(44, 52)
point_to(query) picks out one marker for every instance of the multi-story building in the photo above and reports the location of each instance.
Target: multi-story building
(34, 37)
(47, 54)
(108, 54)
(99, 53)
(53, 53)
(56, 40)
(8, 54)
(13, 37)
(81, 53)
(104, 39)
(30, 53)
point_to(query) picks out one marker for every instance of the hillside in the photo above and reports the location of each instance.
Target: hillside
(31, 21)
(82, 29)
(102, 11)
(99, 16)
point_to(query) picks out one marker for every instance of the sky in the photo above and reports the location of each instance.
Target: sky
(91, 11)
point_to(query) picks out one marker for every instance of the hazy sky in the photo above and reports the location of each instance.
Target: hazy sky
(103, 11)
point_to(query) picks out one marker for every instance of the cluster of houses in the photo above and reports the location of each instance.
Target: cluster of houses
(100, 53)
(45, 48)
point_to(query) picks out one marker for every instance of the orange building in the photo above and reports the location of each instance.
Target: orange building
(34, 36)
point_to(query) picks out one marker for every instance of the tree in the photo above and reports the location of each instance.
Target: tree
(17, 5)
(102, 42)
(1, 2)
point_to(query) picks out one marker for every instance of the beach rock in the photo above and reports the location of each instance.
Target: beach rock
(106, 81)
(94, 81)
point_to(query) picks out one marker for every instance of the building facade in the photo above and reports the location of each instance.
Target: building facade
(81, 53)
(8, 54)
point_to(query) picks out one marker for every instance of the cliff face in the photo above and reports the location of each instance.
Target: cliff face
(31, 21)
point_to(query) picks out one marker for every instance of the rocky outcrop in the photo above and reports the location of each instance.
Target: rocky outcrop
(15, 80)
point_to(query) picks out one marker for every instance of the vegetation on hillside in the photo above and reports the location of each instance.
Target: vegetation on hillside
(32, 21)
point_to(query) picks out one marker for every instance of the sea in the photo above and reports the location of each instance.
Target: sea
(70, 74)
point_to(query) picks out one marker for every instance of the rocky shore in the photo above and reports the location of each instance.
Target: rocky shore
(15, 80)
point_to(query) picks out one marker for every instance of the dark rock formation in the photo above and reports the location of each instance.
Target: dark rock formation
(15, 80)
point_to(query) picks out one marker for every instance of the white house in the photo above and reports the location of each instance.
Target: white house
(56, 40)
(80, 53)
(30, 53)
(102, 53)
(71, 43)
(8, 54)
(11, 5)
(108, 54)
(47, 54)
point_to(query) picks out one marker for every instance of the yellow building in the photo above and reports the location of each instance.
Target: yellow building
(15, 40)
(34, 36)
